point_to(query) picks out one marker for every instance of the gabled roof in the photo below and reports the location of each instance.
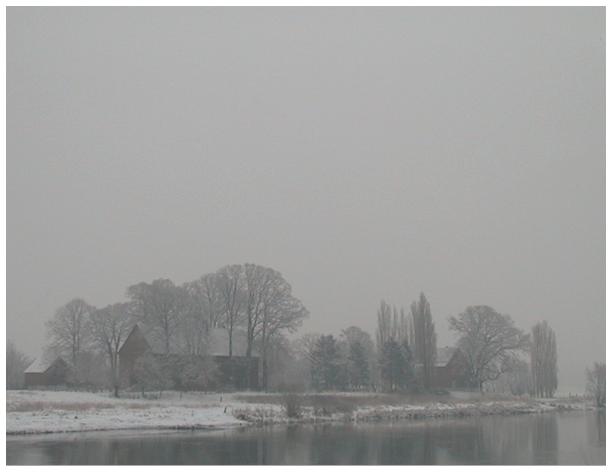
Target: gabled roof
(217, 343)
(154, 340)
(444, 355)
(148, 337)
(41, 365)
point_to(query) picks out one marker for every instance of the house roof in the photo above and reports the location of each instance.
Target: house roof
(154, 340)
(444, 355)
(217, 342)
(135, 331)
(41, 365)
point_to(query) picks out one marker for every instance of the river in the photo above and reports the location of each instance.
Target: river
(550, 438)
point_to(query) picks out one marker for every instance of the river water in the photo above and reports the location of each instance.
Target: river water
(549, 438)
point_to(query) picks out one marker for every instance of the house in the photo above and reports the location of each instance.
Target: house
(46, 373)
(450, 370)
(236, 372)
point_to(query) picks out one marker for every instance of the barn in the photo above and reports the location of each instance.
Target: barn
(237, 372)
(450, 371)
(46, 373)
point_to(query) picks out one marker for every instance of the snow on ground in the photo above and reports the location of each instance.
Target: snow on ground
(45, 411)
(117, 418)
(263, 414)
(33, 411)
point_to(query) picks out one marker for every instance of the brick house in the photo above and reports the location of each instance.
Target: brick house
(450, 370)
(46, 373)
(234, 373)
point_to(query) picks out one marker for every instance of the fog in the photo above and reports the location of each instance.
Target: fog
(363, 153)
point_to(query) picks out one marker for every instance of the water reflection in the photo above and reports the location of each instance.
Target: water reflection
(545, 440)
(530, 439)
(597, 434)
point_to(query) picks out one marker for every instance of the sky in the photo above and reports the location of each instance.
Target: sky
(365, 153)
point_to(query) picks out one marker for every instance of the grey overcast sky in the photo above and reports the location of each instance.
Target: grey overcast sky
(365, 153)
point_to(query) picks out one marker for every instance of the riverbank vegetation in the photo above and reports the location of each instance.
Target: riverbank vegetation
(36, 411)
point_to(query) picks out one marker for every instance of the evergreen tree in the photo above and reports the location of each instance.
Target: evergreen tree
(424, 339)
(358, 368)
(407, 377)
(543, 360)
(326, 364)
(391, 365)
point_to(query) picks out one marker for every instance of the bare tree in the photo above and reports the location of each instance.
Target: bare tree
(354, 334)
(258, 281)
(425, 339)
(194, 323)
(204, 311)
(517, 380)
(596, 384)
(68, 330)
(305, 345)
(231, 286)
(16, 363)
(110, 327)
(281, 312)
(193, 334)
(392, 325)
(384, 327)
(406, 330)
(489, 341)
(160, 305)
(208, 299)
(543, 360)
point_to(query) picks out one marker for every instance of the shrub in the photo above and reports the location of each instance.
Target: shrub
(327, 405)
(292, 404)
(291, 387)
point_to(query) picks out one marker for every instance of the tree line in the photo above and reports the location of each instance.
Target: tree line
(254, 299)
(495, 353)
(258, 301)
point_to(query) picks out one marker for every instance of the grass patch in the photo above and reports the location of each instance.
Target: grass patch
(342, 398)
(75, 406)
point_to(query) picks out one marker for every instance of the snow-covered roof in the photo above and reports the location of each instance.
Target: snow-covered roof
(153, 339)
(40, 365)
(217, 341)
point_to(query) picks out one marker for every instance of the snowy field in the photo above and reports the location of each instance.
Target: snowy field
(32, 411)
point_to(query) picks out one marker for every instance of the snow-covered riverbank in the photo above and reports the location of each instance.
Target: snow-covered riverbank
(53, 411)
(268, 415)
(33, 411)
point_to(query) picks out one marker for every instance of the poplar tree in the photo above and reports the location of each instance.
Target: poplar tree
(543, 360)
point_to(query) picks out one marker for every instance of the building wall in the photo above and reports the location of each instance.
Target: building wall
(451, 375)
(134, 347)
(238, 372)
(235, 373)
(56, 374)
(33, 379)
